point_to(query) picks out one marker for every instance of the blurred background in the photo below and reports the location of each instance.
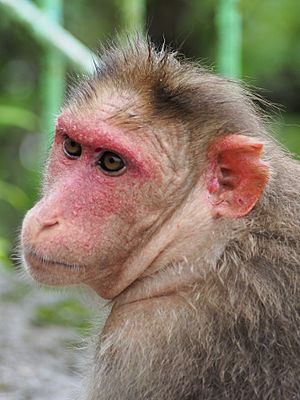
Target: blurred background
(252, 40)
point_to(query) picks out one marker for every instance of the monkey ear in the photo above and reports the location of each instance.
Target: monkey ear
(236, 175)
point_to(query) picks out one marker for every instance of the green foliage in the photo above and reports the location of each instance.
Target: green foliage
(12, 116)
(4, 251)
(14, 195)
(289, 134)
(66, 312)
(271, 37)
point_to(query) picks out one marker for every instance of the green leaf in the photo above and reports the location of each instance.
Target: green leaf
(18, 117)
(14, 195)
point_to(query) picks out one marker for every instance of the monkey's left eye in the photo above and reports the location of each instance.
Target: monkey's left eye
(111, 163)
(71, 148)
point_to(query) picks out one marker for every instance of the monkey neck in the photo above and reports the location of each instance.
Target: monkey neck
(123, 311)
(188, 252)
(172, 280)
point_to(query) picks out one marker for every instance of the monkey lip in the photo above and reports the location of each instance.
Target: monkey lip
(36, 262)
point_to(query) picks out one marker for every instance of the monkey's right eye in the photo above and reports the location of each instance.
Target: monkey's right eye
(71, 148)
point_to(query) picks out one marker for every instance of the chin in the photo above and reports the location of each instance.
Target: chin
(50, 271)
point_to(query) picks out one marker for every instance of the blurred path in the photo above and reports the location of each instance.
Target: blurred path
(36, 362)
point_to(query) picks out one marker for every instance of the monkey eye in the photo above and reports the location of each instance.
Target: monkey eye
(71, 148)
(111, 163)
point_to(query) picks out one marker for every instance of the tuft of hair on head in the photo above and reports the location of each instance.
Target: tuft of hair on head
(160, 83)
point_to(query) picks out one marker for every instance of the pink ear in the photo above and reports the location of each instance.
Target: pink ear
(236, 176)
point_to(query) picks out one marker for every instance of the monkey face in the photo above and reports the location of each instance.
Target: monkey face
(103, 196)
(109, 197)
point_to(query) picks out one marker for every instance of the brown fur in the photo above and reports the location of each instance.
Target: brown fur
(234, 334)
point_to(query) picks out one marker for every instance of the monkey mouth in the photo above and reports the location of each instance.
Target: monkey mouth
(35, 261)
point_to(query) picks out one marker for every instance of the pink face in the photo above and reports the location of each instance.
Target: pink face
(107, 193)
(91, 218)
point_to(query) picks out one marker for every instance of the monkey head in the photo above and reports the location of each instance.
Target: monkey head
(139, 174)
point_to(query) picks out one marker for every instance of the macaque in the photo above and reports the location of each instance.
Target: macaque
(166, 195)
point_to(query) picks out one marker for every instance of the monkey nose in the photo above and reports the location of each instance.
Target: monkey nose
(45, 223)
(36, 225)
(48, 223)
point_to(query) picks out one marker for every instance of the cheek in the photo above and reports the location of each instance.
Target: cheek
(98, 215)
(91, 212)
(103, 199)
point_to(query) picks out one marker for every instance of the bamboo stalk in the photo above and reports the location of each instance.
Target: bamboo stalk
(48, 32)
(133, 14)
(52, 76)
(228, 20)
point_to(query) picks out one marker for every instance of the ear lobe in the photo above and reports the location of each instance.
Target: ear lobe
(236, 175)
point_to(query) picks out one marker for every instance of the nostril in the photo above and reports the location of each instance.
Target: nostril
(49, 223)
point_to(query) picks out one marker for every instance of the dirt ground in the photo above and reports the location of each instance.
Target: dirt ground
(37, 362)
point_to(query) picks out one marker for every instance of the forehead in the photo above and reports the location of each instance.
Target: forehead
(111, 106)
(95, 130)
(101, 113)
(122, 117)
